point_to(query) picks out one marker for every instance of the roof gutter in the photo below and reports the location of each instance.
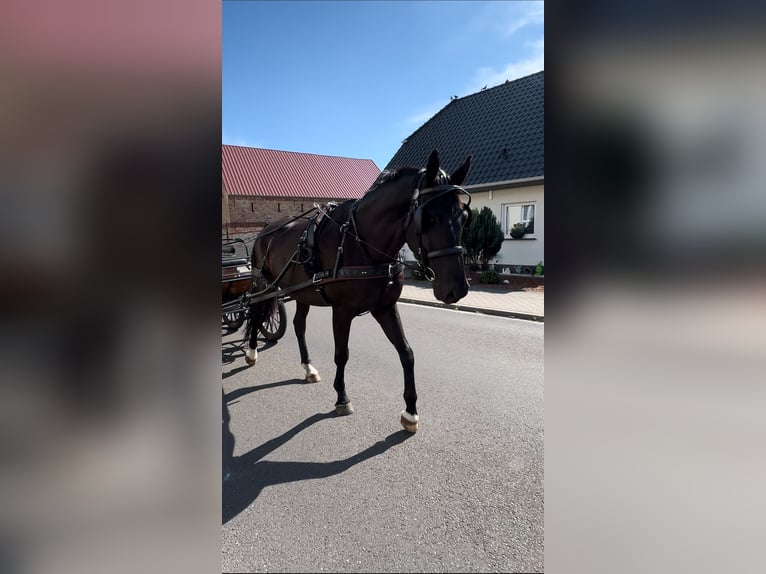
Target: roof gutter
(508, 184)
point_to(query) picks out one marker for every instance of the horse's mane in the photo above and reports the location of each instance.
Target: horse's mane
(386, 175)
(390, 175)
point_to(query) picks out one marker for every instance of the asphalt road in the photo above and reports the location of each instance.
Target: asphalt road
(312, 492)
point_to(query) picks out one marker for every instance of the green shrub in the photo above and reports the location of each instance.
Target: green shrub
(489, 276)
(482, 237)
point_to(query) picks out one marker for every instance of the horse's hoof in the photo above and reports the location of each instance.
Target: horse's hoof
(251, 356)
(409, 422)
(342, 410)
(312, 375)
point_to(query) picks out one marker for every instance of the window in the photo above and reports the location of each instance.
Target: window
(513, 213)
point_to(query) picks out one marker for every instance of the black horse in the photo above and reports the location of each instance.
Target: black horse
(347, 258)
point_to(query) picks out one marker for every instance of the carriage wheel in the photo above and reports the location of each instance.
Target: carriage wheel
(234, 320)
(275, 326)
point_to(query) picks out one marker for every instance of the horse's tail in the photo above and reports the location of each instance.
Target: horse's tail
(259, 312)
(268, 309)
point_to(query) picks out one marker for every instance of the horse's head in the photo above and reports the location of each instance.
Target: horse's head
(435, 228)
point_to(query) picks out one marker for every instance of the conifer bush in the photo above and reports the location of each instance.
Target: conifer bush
(482, 237)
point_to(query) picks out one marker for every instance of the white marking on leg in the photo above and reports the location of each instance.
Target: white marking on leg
(410, 418)
(312, 375)
(409, 422)
(251, 356)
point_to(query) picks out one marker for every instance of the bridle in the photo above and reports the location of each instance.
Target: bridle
(420, 199)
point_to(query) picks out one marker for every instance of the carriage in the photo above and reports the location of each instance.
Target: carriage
(236, 290)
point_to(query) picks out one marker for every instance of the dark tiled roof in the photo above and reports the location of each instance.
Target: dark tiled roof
(274, 173)
(506, 117)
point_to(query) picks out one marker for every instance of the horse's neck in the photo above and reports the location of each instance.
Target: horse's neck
(381, 219)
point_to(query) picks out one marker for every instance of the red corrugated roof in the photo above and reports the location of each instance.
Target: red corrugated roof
(274, 173)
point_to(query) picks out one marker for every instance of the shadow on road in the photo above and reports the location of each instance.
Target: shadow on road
(249, 475)
(231, 350)
(241, 392)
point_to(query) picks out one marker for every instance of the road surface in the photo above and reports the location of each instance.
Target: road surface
(313, 492)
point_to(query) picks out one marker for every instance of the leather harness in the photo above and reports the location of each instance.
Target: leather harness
(306, 251)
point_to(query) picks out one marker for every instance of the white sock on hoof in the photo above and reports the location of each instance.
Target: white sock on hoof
(251, 355)
(410, 418)
(311, 373)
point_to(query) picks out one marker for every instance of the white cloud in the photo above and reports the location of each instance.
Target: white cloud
(228, 140)
(426, 115)
(415, 121)
(534, 14)
(488, 76)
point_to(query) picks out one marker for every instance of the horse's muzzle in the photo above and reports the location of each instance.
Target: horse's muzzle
(453, 295)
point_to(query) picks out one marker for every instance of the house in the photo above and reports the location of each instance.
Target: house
(263, 185)
(503, 128)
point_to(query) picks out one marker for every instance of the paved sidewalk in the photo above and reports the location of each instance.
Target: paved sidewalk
(520, 304)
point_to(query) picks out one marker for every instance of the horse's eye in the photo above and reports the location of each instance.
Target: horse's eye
(431, 219)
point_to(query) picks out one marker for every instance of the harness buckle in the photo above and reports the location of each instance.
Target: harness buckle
(315, 279)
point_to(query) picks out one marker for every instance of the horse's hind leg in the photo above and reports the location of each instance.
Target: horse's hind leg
(341, 327)
(389, 320)
(251, 332)
(299, 323)
(256, 316)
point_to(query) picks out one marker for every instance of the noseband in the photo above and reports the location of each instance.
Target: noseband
(421, 198)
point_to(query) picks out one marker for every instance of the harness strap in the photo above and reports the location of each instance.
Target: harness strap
(339, 255)
(389, 270)
(321, 278)
(456, 250)
(352, 221)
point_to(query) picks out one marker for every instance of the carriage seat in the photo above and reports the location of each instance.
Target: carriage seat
(233, 262)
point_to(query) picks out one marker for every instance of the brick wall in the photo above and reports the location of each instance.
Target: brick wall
(248, 214)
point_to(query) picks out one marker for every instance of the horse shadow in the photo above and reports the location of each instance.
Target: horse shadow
(248, 475)
(230, 397)
(227, 453)
(232, 350)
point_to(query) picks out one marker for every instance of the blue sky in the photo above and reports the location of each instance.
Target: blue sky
(354, 78)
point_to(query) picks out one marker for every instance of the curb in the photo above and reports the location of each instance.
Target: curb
(478, 310)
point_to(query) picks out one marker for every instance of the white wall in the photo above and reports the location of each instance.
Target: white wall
(529, 250)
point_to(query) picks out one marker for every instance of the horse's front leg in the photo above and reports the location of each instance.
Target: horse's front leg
(341, 327)
(299, 323)
(388, 318)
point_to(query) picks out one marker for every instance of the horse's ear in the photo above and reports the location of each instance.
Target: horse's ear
(458, 177)
(432, 169)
